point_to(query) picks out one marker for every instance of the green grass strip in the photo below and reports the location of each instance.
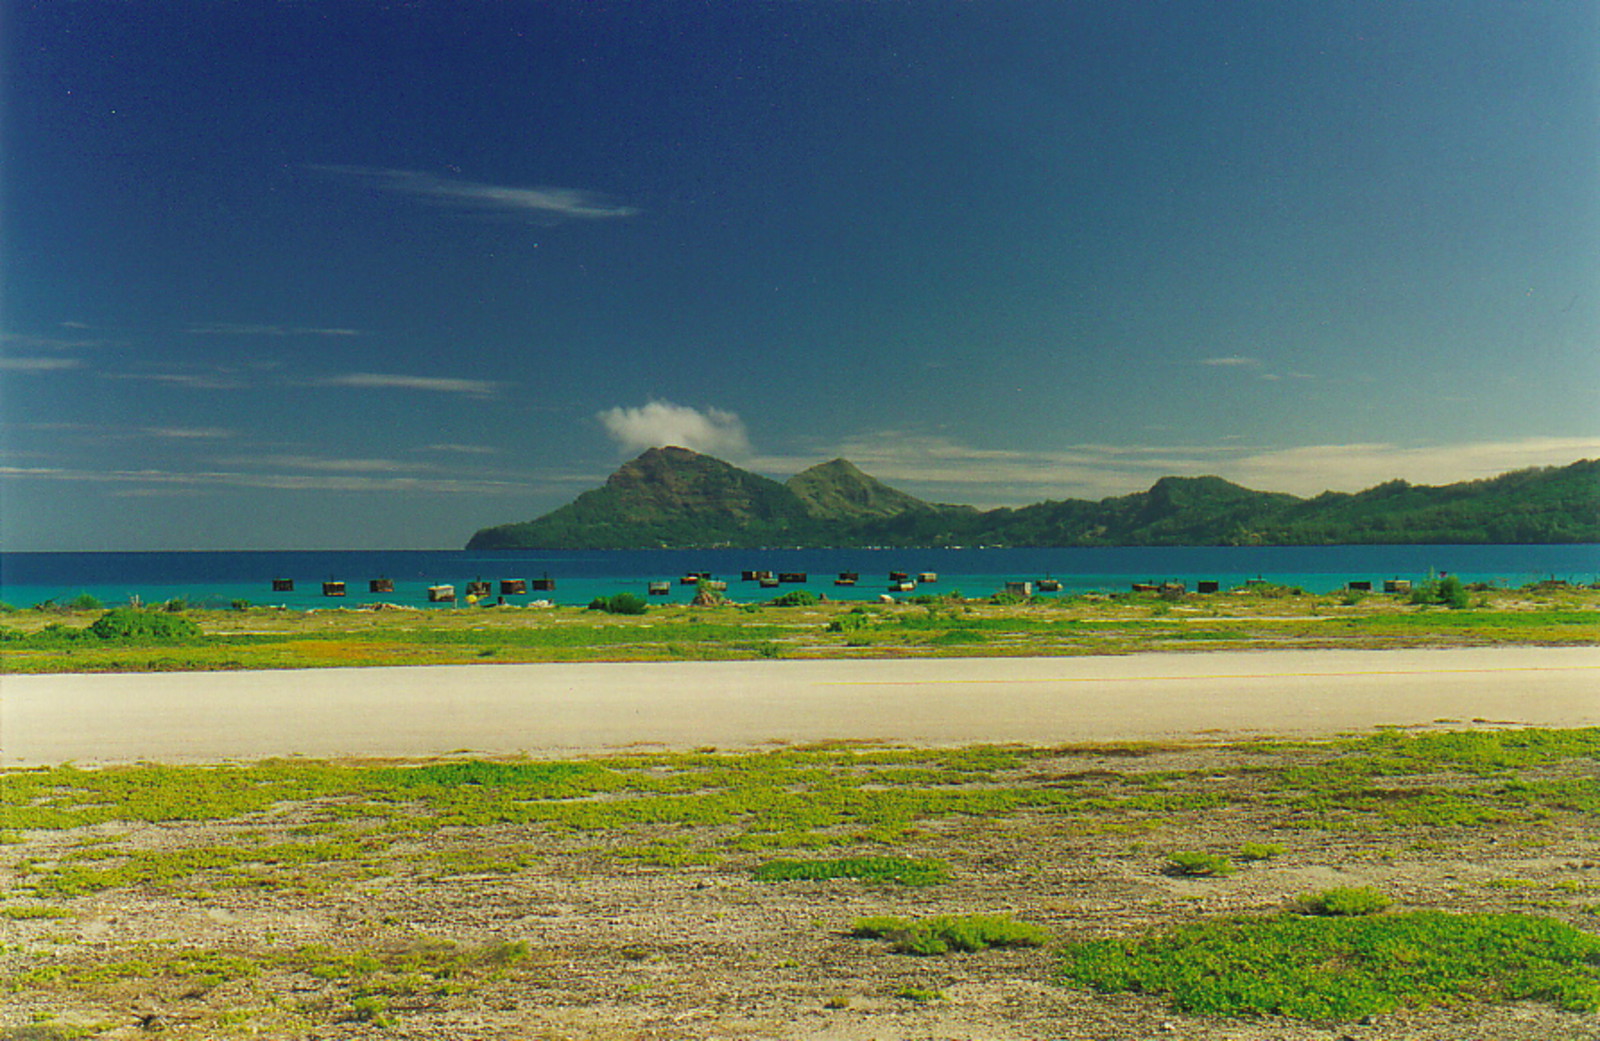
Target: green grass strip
(898, 870)
(1346, 968)
(942, 934)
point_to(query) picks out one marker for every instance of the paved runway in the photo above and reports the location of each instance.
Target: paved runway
(562, 709)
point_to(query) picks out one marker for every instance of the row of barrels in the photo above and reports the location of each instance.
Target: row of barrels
(899, 581)
(1391, 585)
(436, 594)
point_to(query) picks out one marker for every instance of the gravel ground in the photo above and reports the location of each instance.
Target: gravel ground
(613, 947)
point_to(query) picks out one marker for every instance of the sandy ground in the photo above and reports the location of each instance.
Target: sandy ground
(625, 951)
(566, 708)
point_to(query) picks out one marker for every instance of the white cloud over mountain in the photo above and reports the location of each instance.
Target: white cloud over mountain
(660, 424)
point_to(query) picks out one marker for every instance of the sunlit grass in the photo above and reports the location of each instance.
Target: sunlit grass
(34, 641)
(845, 823)
(351, 817)
(1346, 967)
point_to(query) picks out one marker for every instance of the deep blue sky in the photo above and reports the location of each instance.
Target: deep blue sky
(339, 274)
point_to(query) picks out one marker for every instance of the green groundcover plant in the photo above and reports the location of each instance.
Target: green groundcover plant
(1343, 968)
(942, 934)
(899, 870)
(1344, 900)
(1198, 865)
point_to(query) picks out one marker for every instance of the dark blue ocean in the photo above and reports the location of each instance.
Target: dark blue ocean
(220, 578)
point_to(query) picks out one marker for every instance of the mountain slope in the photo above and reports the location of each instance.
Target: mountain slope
(837, 490)
(666, 497)
(672, 497)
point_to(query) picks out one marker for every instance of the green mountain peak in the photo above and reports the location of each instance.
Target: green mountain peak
(838, 490)
(675, 498)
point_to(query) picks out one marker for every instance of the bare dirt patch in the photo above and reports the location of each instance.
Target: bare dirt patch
(616, 899)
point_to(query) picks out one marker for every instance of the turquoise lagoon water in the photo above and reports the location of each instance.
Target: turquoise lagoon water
(219, 578)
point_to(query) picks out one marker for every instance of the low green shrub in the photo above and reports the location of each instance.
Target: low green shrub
(850, 621)
(898, 870)
(130, 623)
(1448, 591)
(945, 933)
(371, 1009)
(86, 602)
(1344, 900)
(921, 995)
(1344, 968)
(796, 598)
(1260, 851)
(1198, 865)
(619, 603)
(1271, 590)
(25, 912)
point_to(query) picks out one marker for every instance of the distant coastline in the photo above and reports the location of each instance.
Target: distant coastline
(215, 578)
(672, 498)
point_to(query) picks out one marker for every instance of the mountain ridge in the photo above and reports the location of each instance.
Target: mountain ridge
(672, 498)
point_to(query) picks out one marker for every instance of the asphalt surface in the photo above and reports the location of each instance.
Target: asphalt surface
(564, 709)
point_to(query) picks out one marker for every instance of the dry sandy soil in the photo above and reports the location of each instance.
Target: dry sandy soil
(566, 708)
(623, 947)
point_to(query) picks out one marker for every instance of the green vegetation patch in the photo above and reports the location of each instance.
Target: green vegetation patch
(129, 623)
(26, 912)
(1260, 851)
(942, 934)
(425, 966)
(1198, 865)
(619, 603)
(1343, 968)
(898, 870)
(1343, 900)
(375, 818)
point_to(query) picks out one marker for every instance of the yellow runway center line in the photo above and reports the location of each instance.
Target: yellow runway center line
(1206, 676)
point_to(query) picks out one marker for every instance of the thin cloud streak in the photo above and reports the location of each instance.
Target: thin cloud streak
(23, 341)
(39, 364)
(537, 201)
(313, 463)
(191, 381)
(238, 329)
(939, 467)
(455, 449)
(432, 384)
(272, 481)
(188, 433)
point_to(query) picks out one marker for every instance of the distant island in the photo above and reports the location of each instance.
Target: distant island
(672, 498)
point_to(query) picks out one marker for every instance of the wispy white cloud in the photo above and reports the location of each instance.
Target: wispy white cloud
(330, 465)
(942, 468)
(660, 424)
(540, 202)
(151, 480)
(1310, 469)
(242, 329)
(28, 342)
(37, 364)
(454, 449)
(1246, 366)
(188, 433)
(190, 380)
(392, 381)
